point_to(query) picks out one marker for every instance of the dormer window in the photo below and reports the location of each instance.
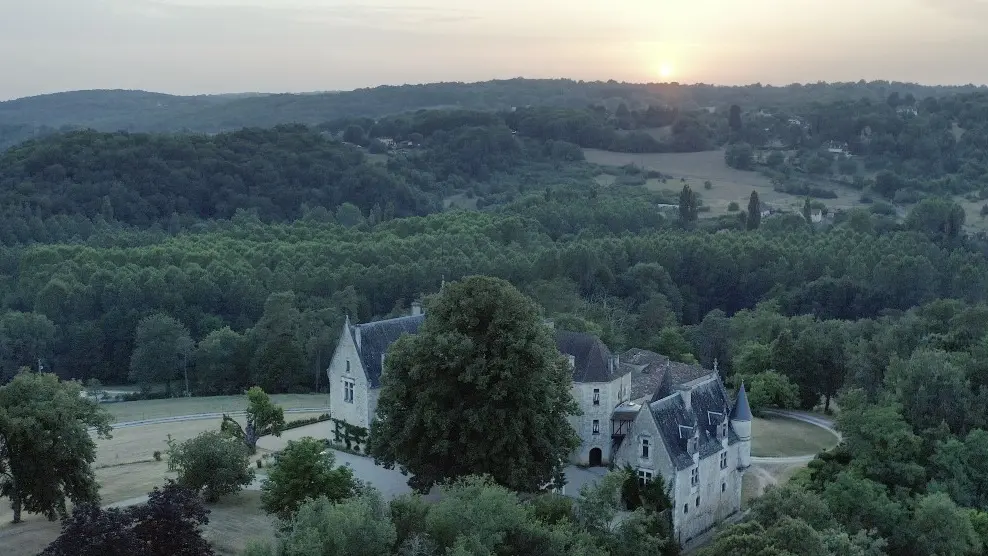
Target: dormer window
(596, 396)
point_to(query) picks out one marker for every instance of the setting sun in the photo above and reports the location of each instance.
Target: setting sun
(665, 70)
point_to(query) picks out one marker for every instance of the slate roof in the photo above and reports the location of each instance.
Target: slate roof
(376, 337)
(670, 413)
(655, 376)
(592, 360)
(741, 411)
(709, 406)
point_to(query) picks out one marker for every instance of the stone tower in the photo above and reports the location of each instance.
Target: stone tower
(741, 422)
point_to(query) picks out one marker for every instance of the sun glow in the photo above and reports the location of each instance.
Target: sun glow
(666, 70)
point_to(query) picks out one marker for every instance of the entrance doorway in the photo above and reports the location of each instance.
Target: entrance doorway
(596, 457)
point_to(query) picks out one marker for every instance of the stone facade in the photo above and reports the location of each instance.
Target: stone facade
(660, 417)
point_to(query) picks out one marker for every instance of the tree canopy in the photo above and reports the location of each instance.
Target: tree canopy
(481, 389)
(46, 451)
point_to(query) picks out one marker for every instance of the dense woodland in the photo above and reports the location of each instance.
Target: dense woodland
(234, 258)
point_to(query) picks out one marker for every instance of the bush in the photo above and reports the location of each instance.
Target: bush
(157, 455)
(733, 207)
(211, 463)
(884, 208)
(304, 471)
(708, 185)
(305, 422)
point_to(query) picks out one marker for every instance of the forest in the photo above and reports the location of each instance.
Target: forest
(148, 255)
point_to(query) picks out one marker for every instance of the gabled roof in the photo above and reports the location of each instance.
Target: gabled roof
(592, 361)
(655, 376)
(741, 411)
(375, 339)
(709, 405)
(670, 414)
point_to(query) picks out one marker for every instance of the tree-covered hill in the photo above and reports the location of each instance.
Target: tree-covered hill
(143, 111)
(143, 179)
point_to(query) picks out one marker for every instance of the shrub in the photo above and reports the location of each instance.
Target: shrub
(733, 207)
(211, 463)
(708, 185)
(157, 455)
(306, 421)
(303, 471)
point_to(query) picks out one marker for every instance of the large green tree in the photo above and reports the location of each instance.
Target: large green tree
(303, 471)
(162, 348)
(264, 418)
(481, 389)
(212, 464)
(26, 340)
(754, 212)
(46, 451)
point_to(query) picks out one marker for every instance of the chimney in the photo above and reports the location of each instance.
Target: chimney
(416, 308)
(551, 324)
(687, 394)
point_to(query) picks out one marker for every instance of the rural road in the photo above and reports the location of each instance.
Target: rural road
(811, 418)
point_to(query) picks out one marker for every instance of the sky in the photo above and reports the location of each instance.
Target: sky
(220, 46)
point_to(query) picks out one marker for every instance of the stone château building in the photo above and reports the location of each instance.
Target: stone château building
(661, 417)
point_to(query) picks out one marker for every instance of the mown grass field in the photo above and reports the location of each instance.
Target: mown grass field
(780, 437)
(125, 468)
(153, 409)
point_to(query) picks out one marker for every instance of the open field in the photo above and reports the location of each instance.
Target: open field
(233, 522)
(125, 469)
(152, 409)
(728, 184)
(460, 200)
(781, 437)
(972, 217)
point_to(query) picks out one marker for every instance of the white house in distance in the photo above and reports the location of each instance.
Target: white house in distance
(661, 417)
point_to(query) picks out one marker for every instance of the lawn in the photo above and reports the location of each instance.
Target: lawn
(126, 469)
(173, 407)
(233, 522)
(727, 183)
(780, 437)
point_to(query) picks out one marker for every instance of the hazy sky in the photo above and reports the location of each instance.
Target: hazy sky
(210, 46)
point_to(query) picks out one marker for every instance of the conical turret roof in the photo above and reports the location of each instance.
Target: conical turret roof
(741, 411)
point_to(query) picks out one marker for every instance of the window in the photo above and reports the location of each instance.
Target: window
(645, 448)
(686, 508)
(347, 366)
(723, 487)
(723, 460)
(697, 501)
(596, 426)
(348, 391)
(596, 396)
(723, 430)
(644, 477)
(695, 476)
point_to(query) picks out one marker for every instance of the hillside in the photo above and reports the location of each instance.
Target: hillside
(143, 179)
(144, 111)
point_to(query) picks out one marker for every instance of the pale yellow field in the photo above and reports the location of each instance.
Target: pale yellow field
(125, 469)
(728, 184)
